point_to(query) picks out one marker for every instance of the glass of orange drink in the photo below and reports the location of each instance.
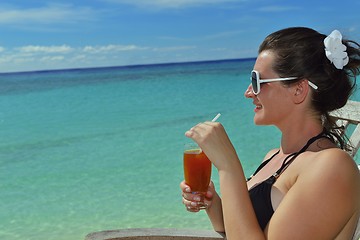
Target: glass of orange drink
(197, 171)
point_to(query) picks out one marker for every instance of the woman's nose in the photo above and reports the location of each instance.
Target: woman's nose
(249, 92)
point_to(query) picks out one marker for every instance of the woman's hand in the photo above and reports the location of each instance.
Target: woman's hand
(191, 201)
(214, 141)
(213, 201)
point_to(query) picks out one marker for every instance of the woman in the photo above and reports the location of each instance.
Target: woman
(308, 188)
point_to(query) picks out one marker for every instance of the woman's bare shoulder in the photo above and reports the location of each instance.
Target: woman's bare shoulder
(325, 193)
(333, 167)
(334, 159)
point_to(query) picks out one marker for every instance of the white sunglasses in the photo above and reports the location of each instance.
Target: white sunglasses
(256, 81)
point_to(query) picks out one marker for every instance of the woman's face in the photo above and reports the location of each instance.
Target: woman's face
(272, 103)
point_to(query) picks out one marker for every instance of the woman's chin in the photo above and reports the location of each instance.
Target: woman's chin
(259, 121)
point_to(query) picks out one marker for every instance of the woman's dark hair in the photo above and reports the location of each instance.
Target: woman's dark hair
(300, 52)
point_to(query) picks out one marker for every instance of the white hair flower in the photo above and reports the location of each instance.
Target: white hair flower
(335, 50)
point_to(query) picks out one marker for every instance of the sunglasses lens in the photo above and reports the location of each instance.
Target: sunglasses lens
(254, 82)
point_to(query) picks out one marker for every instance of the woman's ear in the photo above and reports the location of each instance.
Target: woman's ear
(300, 91)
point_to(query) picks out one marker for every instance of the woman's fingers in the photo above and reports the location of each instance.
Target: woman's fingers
(196, 131)
(191, 206)
(207, 134)
(200, 129)
(214, 141)
(192, 201)
(184, 187)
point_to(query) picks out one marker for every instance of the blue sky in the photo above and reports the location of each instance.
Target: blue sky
(60, 34)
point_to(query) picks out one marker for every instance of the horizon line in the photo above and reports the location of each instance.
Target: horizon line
(129, 66)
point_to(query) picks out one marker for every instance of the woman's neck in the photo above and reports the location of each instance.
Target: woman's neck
(296, 136)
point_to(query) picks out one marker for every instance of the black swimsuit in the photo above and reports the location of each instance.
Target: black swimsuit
(260, 194)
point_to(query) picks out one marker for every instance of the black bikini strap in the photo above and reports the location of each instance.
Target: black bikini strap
(292, 156)
(263, 164)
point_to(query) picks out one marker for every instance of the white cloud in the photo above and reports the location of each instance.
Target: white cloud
(171, 3)
(278, 9)
(55, 13)
(79, 57)
(220, 49)
(45, 49)
(175, 48)
(218, 35)
(111, 48)
(38, 57)
(223, 34)
(352, 29)
(52, 58)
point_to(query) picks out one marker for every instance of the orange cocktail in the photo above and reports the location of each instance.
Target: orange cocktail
(197, 172)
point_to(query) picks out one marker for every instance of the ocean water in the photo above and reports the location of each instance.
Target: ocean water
(95, 149)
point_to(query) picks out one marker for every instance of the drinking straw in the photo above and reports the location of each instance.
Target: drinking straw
(216, 117)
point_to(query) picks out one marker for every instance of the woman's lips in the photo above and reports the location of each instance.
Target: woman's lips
(257, 107)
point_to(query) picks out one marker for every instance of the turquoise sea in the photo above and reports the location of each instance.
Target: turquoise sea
(94, 149)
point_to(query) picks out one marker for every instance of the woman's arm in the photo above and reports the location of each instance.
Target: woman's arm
(214, 211)
(239, 217)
